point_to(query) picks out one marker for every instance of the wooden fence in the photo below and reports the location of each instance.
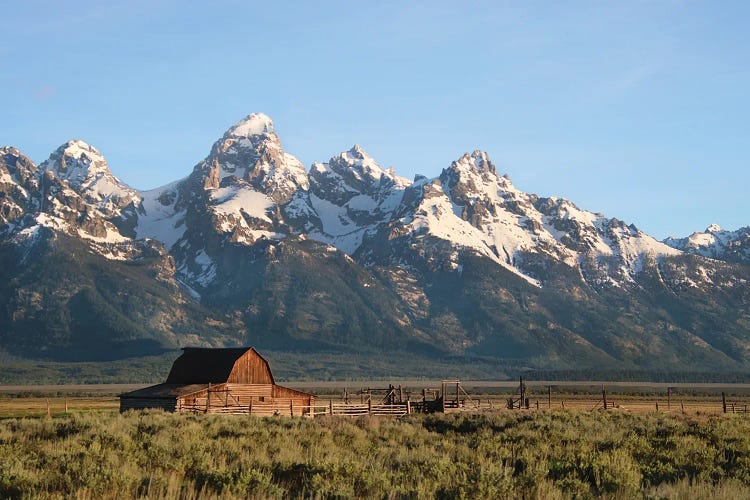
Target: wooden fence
(289, 409)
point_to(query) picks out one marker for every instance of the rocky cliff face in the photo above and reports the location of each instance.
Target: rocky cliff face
(349, 255)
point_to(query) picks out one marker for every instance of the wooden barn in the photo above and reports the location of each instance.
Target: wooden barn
(233, 380)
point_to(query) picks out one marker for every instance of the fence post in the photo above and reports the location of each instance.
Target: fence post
(291, 407)
(250, 406)
(549, 397)
(208, 398)
(369, 406)
(330, 406)
(669, 398)
(604, 397)
(408, 407)
(723, 402)
(442, 395)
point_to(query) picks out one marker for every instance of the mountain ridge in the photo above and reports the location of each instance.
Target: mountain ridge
(347, 255)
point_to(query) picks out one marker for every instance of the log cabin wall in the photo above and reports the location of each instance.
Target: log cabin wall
(299, 397)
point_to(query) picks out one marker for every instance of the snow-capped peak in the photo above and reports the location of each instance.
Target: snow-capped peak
(254, 124)
(86, 171)
(76, 161)
(716, 243)
(357, 153)
(478, 161)
(361, 165)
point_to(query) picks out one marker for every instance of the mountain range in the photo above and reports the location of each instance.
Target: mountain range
(253, 248)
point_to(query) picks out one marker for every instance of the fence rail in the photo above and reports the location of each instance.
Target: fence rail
(291, 410)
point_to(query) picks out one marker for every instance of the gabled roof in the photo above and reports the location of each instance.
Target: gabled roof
(198, 365)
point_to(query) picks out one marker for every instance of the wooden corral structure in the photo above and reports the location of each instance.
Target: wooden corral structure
(230, 380)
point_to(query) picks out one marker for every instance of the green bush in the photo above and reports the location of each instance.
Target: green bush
(506, 455)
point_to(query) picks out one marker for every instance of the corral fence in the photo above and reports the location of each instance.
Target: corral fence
(289, 409)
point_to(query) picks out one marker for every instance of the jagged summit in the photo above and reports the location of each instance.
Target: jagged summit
(716, 243)
(76, 161)
(348, 253)
(478, 161)
(253, 124)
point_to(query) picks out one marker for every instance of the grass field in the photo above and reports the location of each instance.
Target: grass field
(686, 449)
(545, 454)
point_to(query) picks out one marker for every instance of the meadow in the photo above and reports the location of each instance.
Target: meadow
(544, 454)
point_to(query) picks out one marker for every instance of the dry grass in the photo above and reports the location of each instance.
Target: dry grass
(558, 454)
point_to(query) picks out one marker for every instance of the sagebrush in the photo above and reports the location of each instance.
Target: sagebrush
(531, 455)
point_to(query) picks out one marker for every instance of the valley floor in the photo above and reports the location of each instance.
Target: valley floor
(485, 396)
(95, 452)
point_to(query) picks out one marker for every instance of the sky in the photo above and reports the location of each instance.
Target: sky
(637, 110)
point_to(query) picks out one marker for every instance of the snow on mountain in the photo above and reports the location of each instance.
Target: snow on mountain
(160, 217)
(351, 196)
(248, 188)
(251, 151)
(19, 180)
(87, 172)
(716, 243)
(472, 207)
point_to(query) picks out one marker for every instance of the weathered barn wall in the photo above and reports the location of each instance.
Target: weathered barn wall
(250, 368)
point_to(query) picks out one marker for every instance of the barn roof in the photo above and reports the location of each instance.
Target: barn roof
(165, 391)
(198, 365)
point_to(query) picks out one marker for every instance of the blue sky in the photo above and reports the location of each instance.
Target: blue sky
(638, 110)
